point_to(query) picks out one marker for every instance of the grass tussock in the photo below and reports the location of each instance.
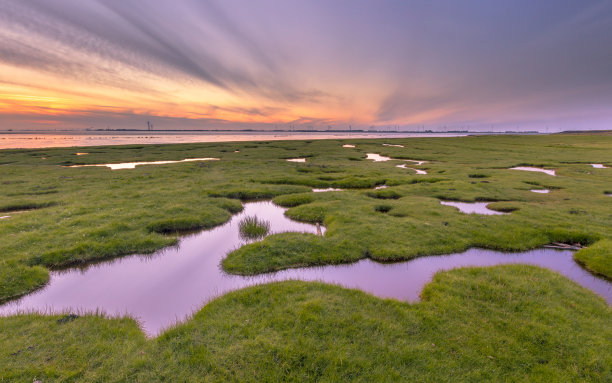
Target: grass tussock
(383, 208)
(20, 206)
(384, 194)
(597, 258)
(253, 228)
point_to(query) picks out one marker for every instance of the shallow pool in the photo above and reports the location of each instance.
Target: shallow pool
(132, 165)
(472, 207)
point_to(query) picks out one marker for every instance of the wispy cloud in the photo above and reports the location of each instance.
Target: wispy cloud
(306, 62)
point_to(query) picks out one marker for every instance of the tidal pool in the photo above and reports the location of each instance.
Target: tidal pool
(396, 146)
(377, 157)
(132, 165)
(296, 159)
(418, 171)
(418, 162)
(472, 207)
(326, 190)
(541, 191)
(531, 169)
(5, 217)
(168, 286)
(348, 146)
(599, 166)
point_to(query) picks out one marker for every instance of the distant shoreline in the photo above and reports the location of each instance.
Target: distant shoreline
(54, 139)
(37, 140)
(252, 131)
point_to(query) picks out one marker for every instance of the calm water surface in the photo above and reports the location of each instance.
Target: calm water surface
(550, 172)
(51, 139)
(166, 287)
(132, 165)
(472, 207)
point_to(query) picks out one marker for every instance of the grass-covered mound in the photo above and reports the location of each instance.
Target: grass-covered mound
(597, 258)
(505, 323)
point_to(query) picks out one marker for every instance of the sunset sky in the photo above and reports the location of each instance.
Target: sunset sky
(76, 64)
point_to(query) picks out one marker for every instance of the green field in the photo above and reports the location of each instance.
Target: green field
(507, 323)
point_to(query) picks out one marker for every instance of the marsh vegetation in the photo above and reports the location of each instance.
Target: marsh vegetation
(253, 228)
(500, 323)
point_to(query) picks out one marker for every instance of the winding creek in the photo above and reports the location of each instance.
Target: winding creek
(169, 285)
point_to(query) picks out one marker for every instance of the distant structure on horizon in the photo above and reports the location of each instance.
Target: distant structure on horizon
(149, 125)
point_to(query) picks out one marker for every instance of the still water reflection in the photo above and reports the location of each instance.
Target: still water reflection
(472, 207)
(169, 285)
(132, 165)
(550, 172)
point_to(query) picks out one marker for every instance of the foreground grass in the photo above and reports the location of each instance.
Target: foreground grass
(62, 216)
(505, 323)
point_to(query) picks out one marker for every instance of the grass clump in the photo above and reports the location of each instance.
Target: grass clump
(384, 194)
(292, 200)
(17, 279)
(19, 206)
(597, 258)
(383, 208)
(253, 228)
(504, 207)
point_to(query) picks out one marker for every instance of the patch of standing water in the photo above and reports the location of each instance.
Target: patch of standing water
(167, 286)
(417, 161)
(5, 217)
(377, 157)
(381, 187)
(418, 171)
(599, 166)
(297, 160)
(541, 191)
(132, 165)
(472, 207)
(531, 169)
(81, 154)
(396, 146)
(348, 146)
(326, 190)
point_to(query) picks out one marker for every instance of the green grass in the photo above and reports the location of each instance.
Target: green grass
(253, 228)
(596, 258)
(97, 213)
(505, 323)
(509, 323)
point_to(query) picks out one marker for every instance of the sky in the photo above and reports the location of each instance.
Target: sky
(244, 64)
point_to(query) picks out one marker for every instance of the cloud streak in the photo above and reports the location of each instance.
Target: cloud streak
(316, 62)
